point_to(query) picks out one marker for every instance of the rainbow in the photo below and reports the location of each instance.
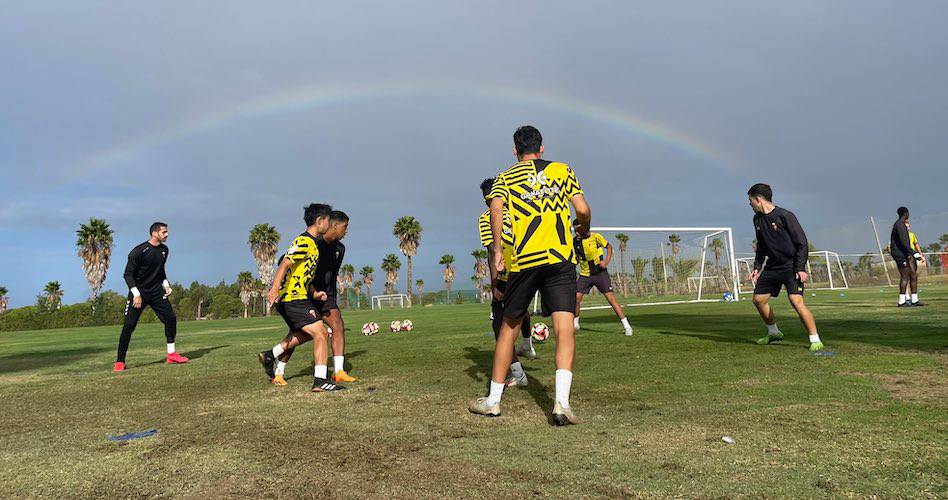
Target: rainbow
(310, 97)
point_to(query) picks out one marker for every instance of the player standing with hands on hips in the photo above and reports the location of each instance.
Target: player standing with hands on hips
(148, 286)
(782, 242)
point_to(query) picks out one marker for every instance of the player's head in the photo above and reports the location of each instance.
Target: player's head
(903, 213)
(760, 195)
(317, 215)
(527, 140)
(486, 186)
(581, 231)
(908, 225)
(159, 231)
(338, 226)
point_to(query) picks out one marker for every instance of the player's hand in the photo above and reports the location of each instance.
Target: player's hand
(603, 265)
(320, 295)
(168, 291)
(802, 276)
(272, 296)
(754, 275)
(498, 295)
(498, 259)
(137, 302)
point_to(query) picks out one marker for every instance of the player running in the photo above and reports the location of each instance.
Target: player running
(782, 242)
(148, 286)
(498, 281)
(904, 255)
(331, 254)
(594, 271)
(536, 194)
(290, 292)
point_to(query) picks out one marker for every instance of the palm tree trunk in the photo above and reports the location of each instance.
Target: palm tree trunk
(408, 257)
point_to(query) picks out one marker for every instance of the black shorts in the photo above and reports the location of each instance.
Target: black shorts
(555, 282)
(600, 280)
(298, 313)
(324, 306)
(901, 262)
(771, 281)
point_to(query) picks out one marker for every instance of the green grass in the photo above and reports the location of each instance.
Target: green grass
(870, 421)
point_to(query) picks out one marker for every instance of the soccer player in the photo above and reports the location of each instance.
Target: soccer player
(536, 194)
(498, 281)
(904, 255)
(148, 286)
(331, 254)
(290, 292)
(782, 242)
(594, 271)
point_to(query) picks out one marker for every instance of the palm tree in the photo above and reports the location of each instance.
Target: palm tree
(717, 246)
(357, 287)
(53, 295)
(448, 273)
(246, 283)
(675, 241)
(346, 274)
(638, 267)
(3, 300)
(480, 268)
(754, 245)
(623, 240)
(94, 247)
(391, 265)
(408, 231)
(264, 243)
(943, 239)
(865, 261)
(366, 273)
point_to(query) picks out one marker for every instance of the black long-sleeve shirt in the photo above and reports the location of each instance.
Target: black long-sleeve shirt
(780, 239)
(146, 267)
(899, 244)
(327, 269)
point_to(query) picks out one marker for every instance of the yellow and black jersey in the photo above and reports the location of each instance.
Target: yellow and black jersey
(303, 255)
(536, 196)
(913, 241)
(589, 253)
(487, 239)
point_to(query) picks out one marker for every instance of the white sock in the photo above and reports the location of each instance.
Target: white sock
(496, 391)
(576, 323)
(337, 363)
(814, 338)
(901, 298)
(320, 371)
(772, 329)
(516, 369)
(914, 299)
(625, 323)
(171, 348)
(564, 379)
(527, 343)
(280, 369)
(278, 350)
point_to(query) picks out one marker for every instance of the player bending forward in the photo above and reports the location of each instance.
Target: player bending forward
(782, 242)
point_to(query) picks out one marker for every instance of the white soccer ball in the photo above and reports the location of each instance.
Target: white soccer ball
(407, 325)
(396, 326)
(540, 332)
(370, 328)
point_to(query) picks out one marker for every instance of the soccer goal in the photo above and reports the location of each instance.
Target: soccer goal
(669, 265)
(389, 300)
(824, 268)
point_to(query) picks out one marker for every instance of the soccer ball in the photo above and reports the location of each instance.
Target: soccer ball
(396, 326)
(370, 328)
(407, 325)
(540, 332)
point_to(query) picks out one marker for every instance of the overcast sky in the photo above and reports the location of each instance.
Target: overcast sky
(215, 116)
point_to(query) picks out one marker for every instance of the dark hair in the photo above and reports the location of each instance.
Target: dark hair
(156, 226)
(527, 139)
(902, 211)
(762, 190)
(338, 216)
(486, 186)
(314, 211)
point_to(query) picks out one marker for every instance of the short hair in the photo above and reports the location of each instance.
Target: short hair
(902, 211)
(527, 139)
(315, 211)
(156, 226)
(338, 216)
(486, 186)
(762, 190)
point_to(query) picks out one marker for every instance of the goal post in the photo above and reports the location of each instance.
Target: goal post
(389, 299)
(824, 269)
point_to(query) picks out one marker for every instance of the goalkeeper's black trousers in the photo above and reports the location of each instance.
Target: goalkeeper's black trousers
(162, 307)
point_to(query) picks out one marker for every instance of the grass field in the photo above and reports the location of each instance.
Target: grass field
(871, 420)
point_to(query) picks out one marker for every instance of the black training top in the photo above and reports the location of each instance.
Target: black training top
(781, 240)
(327, 269)
(146, 267)
(899, 245)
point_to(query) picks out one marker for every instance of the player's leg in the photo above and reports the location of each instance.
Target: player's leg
(165, 312)
(913, 281)
(806, 317)
(333, 318)
(320, 335)
(132, 315)
(526, 349)
(270, 358)
(905, 279)
(611, 299)
(768, 285)
(558, 292)
(286, 347)
(579, 302)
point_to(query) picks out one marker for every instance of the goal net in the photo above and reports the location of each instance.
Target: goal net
(389, 300)
(669, 265)
(825, 271)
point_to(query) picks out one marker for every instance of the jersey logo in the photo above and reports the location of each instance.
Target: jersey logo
(538, 179)
(774, 224)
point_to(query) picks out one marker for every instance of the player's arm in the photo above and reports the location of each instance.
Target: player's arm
(583, 212)
(759, 254)
(274, 292)
(902, 238)
(164, 277)
(497, 233)
(801, 246)
(129, 276)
